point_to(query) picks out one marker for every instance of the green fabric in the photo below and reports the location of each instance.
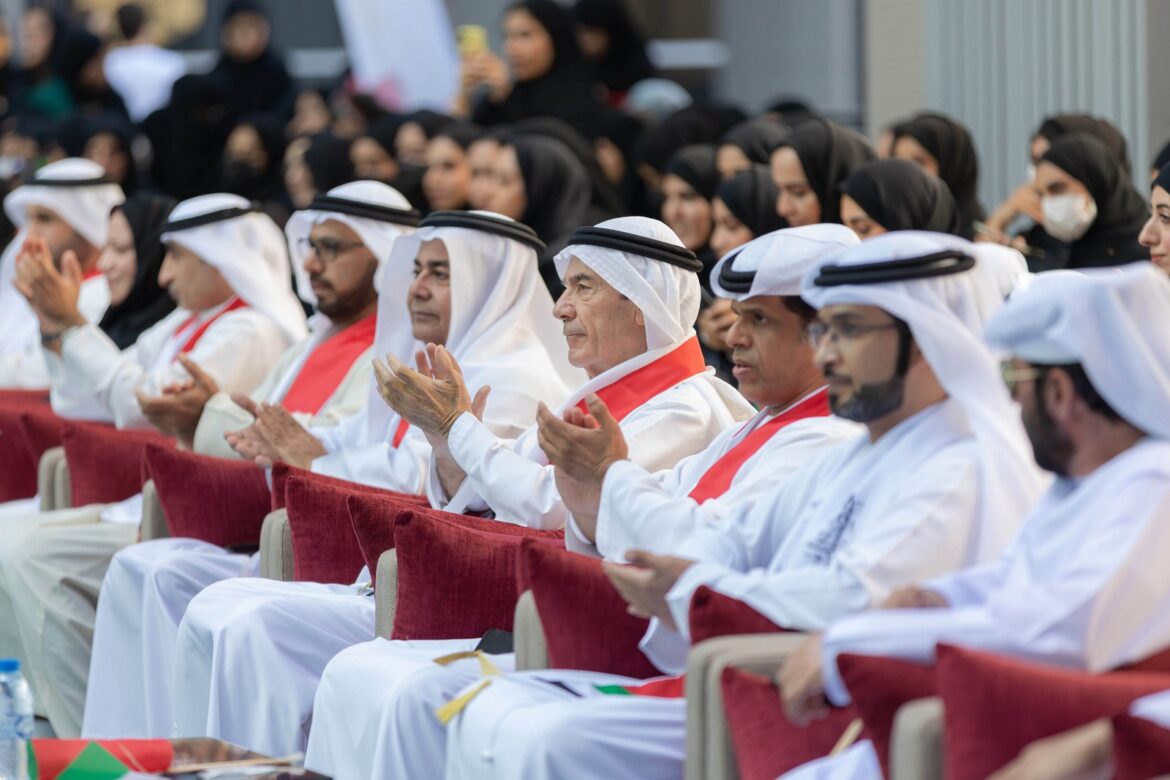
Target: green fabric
(613, 690)
(94, 763)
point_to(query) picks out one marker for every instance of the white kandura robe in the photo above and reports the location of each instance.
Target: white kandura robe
(836, 537)
(148, 585)
(348, 738)
(1083, 586)
(50, 573)
(93, 379)
(218, 647)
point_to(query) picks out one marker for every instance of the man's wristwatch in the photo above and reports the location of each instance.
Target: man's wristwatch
(48, 340)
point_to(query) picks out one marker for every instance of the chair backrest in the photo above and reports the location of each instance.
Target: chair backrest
(215, 500)
(105, 464)
(457, 574)
(584, 618)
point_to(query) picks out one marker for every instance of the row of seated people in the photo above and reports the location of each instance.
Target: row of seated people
(886, 466)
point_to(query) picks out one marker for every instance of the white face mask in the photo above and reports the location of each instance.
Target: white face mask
(1067, 217)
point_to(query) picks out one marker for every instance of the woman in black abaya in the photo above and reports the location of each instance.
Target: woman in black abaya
(897, 195)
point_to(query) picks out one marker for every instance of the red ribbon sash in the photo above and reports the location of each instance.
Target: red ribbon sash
(193, 339)
(716, 482)
(718, 478)
(637, 387)
(327, 366)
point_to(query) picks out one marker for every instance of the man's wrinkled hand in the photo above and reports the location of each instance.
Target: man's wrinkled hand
(582, 445)
(432, 397)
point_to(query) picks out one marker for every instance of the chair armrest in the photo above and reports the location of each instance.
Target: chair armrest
(531, 648)
(154, 523)
(386, 594)
(709, 751)
(48, 485)
(916, 751)
(276, 558)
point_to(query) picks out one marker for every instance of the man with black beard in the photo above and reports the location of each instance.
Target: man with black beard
(1085, 584)
(939, 480)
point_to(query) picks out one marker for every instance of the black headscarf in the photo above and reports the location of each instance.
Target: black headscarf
(751, 196)
(757, 138)
(557, 190)
(696, 166)
(123, 133)
(556, 186)
(1059, 125)
(625, 62)
(1121, 211)
(384, 130)
(604, 201)
(431, 122)
(147, 303)
(898, 195)
(188, 137)
(958, 164)
(565, 91)
(265, 184)
(682, 128)
(1162, 179)
(328, 161)
(462, 133)
(1163, 158)
(262, 84)
(828, 154)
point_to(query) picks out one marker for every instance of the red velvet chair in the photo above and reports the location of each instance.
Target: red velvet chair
(215, 500)
(18, 469)
(456, 574)
(1141, 749)
(106, 465)
(583, 618)
(996, 706)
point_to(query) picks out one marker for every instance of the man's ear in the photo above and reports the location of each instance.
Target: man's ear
(1058, 394)
(639, 319)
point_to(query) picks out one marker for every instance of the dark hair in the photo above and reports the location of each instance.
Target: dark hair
(1083, 388)
(131, 19)
(797, 305)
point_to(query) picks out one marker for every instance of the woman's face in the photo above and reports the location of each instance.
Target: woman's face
(410, 144)
(906, 148)
(481, 159)
(730, 160)
(507, 196)
(1156, 233)
(106, 150)
(729, 232)
(798, 203)
(686, 212)
(119, 260)
(371, 161)
(528, 45)
(854, 217)
(36, 37)
(298, 179)
(594, 41)
(448, 177)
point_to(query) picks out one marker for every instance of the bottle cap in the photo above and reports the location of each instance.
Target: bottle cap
(9, 665)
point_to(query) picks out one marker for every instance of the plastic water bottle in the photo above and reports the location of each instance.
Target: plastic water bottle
(16, 721)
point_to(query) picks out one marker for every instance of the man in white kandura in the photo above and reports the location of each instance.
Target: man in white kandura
(354, 734)
(477, 290)
(65, 210)
(227, 268)
(1091, 372)
(940, 479)
(338, 246)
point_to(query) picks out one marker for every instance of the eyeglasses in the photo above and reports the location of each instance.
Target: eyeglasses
(817, 331)
(327, 249)
(1013, 374)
